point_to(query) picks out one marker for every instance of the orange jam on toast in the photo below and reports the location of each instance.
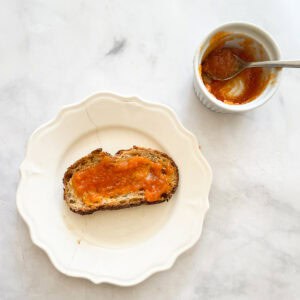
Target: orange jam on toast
(113, 177)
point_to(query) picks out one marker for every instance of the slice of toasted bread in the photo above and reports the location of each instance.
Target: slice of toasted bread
(77, 205)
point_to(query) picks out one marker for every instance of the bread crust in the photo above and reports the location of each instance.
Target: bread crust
(77, 206)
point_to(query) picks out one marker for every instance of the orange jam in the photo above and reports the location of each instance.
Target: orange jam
(219, 60)
(221, 63)
(113, 177)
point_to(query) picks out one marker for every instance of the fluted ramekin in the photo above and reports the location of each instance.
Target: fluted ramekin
(272, 51)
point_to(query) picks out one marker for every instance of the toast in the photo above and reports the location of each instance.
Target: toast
(165, 168)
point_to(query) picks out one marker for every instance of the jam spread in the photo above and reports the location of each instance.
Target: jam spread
(219, 59)
(113, 177)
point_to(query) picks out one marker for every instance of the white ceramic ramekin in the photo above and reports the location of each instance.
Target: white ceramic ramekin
(272, 50)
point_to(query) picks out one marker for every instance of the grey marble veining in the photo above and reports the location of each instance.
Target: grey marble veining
(55, 53)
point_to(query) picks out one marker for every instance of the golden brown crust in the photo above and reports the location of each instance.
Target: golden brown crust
(94, 157)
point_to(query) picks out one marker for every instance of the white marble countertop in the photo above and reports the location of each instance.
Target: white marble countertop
(58, 52)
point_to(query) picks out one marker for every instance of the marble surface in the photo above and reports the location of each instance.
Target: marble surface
(58, 52)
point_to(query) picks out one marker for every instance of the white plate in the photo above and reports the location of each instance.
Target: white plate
(121, 247)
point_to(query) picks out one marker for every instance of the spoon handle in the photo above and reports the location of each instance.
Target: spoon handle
(275, 64)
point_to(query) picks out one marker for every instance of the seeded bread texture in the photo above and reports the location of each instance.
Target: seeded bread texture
(76, 204)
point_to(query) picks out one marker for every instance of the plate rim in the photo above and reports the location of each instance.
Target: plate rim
(167, 264)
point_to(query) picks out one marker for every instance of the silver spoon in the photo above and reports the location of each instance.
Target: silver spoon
(242, 65)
